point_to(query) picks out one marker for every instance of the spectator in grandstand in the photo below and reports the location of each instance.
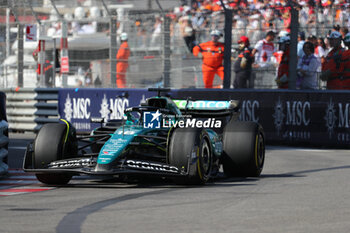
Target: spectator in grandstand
(307, 67)
(332, 67)
(312, 39)
(264, 50)
(346, 63)
(212, 54)
(187, 32)
(243, 64)
(336, 27)
(47, 70)
(141, 39)
(253, 27)
(347, 41)
(301, 41)
(343, 31)
(321, 50)
(283, 67)
(122, 60)
(157, 29)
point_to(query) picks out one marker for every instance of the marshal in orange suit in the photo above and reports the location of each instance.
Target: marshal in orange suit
(212, 54)
(122, 60)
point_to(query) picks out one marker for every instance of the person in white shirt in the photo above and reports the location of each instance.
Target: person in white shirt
(321, 50)
(301, 41)
(264, 50)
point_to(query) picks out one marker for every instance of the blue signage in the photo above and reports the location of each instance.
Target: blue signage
(79, 106)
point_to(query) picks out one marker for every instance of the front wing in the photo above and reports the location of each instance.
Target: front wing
(88, 165)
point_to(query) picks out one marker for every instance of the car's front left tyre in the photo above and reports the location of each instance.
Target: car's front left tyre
(51, 144)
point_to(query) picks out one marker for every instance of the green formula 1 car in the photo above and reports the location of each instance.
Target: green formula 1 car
(184, 140)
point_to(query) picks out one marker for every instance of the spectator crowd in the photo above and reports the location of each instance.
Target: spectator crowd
(260, 37)
(266, 26)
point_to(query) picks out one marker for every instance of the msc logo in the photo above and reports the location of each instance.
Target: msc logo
(152, 120)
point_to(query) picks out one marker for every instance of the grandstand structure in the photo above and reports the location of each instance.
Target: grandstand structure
(160, 38)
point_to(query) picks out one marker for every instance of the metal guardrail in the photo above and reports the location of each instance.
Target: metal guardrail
(3, 147)
(28, 109)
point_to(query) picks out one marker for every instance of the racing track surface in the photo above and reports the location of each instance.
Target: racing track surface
(301, 190)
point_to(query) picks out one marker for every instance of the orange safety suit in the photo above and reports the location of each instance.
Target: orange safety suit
(213, 56)
(122, 64)
(335, 63)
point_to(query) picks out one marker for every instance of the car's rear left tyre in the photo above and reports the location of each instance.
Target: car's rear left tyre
(243, 149)
(190, 150)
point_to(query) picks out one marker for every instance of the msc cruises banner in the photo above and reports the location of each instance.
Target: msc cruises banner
(78, 106)
(292, 117)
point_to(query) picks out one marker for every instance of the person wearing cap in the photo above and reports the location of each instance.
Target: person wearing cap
(212, 54)
(122, 60)
(283, 67)
(333, 67)
(243, 65)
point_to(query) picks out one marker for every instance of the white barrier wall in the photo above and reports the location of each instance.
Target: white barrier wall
(3, 147)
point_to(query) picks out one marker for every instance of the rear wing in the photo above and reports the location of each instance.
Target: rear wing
(208, 107)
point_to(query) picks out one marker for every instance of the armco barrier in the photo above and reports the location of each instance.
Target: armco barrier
(46, 106)
(288, 117)
(28, 109)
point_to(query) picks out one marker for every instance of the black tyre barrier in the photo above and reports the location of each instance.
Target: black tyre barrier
(3, 135)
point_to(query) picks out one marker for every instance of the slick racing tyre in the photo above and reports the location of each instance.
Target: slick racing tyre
(243, 149)
(190, 150)
(53, 178)
(51, 145)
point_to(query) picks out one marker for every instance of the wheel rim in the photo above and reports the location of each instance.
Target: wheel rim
(205, 157)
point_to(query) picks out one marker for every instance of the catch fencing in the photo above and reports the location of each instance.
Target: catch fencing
(160, 41)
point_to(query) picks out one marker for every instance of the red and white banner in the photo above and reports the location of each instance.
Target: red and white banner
(64, 65)
(31, 34)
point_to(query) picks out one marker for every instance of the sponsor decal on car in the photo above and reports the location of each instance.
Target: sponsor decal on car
(151, 166)
(73, 163)
(202, 104)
